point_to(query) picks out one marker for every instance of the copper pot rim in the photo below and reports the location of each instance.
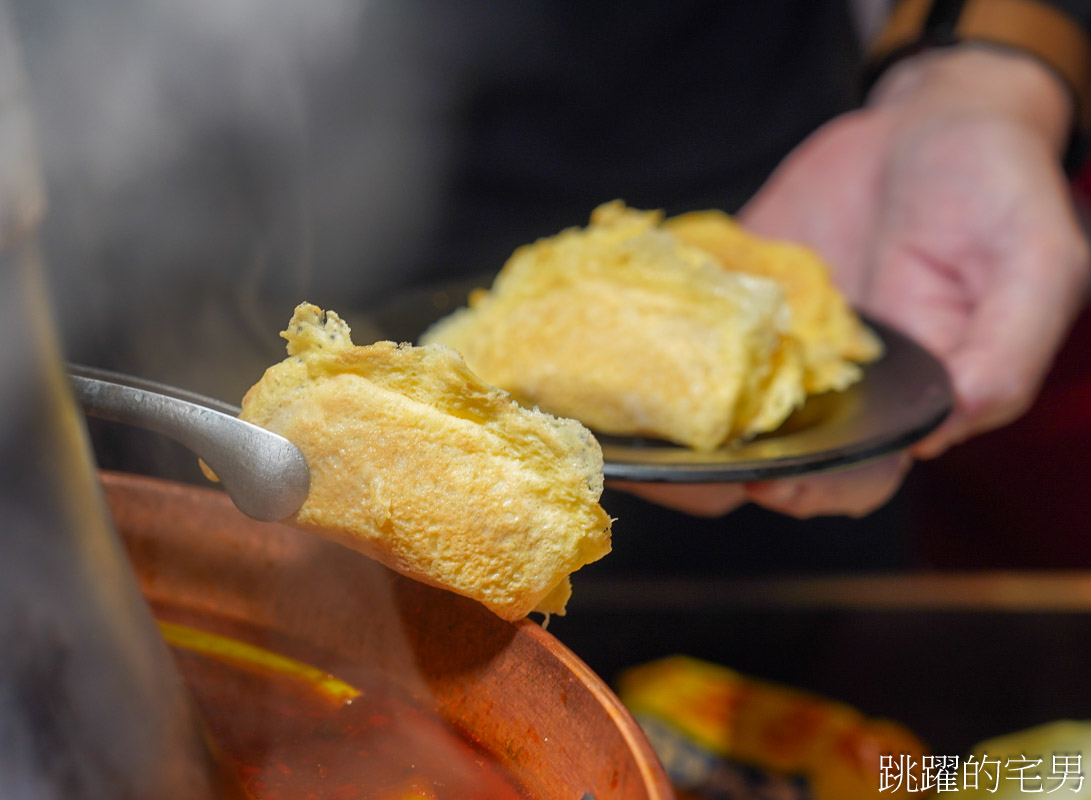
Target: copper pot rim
(174, 531)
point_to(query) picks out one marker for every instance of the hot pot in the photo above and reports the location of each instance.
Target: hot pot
(515, 691)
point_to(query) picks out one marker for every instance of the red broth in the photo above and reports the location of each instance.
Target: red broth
(289, 739)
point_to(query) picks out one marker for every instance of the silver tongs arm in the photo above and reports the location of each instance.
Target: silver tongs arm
(265, 475)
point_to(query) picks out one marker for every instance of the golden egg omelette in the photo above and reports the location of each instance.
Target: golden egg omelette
(421, 465)
(687, 330)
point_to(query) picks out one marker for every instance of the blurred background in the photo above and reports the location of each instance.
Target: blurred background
(211, 163)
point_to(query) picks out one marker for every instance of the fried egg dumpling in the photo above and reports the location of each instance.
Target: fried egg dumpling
(418, 463)
(689, 329)
(631, 331)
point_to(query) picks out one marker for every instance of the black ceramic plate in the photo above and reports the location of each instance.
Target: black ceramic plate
(901, 398)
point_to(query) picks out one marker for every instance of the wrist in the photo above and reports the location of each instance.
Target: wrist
(973, 79)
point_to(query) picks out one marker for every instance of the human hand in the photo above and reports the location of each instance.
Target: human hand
(943, 211)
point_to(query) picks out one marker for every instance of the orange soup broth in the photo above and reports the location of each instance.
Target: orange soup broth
(289, 740)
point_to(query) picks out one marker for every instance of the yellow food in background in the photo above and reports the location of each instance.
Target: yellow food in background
(714, 728)
(421, 465)
(1048, 760)
(688, 330)
(627, 329)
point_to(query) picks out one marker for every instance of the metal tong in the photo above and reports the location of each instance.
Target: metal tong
(265, 475)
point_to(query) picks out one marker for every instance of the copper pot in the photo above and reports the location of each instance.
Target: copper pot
(523, 696)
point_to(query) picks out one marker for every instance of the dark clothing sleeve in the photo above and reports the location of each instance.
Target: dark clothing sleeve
(678, 106)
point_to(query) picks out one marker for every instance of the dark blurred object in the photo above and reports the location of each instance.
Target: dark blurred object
(90, 704)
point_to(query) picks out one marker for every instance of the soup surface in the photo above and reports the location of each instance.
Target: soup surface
(293, 732)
